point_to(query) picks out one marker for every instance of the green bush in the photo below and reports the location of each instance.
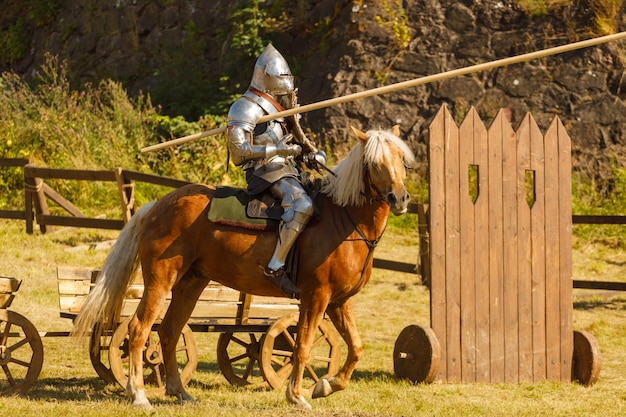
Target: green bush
(98, 127)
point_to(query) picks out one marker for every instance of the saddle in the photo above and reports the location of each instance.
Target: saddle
(233, 206)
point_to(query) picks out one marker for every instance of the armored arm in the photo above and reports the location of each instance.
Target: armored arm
(242, 151)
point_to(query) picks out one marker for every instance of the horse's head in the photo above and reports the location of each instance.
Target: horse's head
(386, 158)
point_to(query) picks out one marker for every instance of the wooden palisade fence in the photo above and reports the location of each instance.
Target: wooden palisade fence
(501, 249)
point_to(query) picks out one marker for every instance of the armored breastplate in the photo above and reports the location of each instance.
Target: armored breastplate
(268, 133)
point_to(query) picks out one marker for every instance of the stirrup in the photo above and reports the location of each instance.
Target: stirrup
(282, 281)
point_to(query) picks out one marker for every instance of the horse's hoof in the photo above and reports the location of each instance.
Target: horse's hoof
(143, 405)
(322, 389)
(299, 402)
(185, 398)
(302, 404)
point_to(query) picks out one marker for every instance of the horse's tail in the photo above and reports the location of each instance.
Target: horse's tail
(113, 280)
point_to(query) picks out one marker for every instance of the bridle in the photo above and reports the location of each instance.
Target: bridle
(379, 195)
(371, 244)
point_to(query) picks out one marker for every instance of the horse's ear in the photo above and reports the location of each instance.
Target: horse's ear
(360, 135)
(396, 130)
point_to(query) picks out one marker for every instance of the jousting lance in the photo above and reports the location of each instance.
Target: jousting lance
(405, 84)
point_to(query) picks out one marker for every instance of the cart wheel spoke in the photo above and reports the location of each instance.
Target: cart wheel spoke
(238, 359)
(312, 372)
(9, 376)
(278, 349)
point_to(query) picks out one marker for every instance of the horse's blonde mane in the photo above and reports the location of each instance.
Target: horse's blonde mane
(346, 189)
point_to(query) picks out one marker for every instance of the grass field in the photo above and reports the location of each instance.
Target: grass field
(68, 385)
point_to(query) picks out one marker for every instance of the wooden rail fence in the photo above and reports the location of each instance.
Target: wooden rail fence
(37, 192)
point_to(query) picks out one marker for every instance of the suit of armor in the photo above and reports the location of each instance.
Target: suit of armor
(263, 152)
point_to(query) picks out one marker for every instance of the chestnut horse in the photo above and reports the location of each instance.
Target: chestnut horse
(180, 251)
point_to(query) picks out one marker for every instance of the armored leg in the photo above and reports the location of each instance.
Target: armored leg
(298, 209)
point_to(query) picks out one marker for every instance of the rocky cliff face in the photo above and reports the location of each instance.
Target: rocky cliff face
(177, 48)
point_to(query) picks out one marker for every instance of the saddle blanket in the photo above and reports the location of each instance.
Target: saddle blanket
(235, 207)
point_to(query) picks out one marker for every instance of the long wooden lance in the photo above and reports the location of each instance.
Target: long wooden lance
(406, 84)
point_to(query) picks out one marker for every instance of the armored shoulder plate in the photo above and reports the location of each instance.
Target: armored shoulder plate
(245, 114)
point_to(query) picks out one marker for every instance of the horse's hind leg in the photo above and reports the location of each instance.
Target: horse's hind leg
(343, 319)
(139, 330)
(185, 294)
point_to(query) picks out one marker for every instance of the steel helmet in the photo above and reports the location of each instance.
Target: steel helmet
(271, 73)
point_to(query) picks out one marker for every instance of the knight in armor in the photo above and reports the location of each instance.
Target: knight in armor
(268, 157)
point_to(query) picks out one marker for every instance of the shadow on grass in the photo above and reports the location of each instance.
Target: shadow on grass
(73, 389)
(379, 375)
(617, 302)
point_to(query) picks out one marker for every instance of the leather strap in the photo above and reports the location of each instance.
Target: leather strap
(267, 97)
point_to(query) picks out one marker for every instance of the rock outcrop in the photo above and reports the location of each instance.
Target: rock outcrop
(176, 48)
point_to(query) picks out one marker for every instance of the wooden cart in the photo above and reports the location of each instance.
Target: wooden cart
(255, 344)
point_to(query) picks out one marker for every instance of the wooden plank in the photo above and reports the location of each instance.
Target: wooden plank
(71, 303)
(9, 285)
(467, 258)
(600, 285)
(524, 255)
(61, 201)
(424, 244)
(67, 287)
(593, 219)
(155, 179)
(109, 224)
(552, 255)
(565, 238)
(32, 171)
(438, 314)
(497, 244)
(395, 266)
(74, 273)
(481, 242)
(13, 162)
(507, 332)
(538, 252)
(13, 214)
(6, 300)
(453, 250)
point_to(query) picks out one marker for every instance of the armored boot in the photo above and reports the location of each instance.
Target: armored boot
(275, 271)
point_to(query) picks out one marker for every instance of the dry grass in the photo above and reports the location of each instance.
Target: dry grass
(68, 384)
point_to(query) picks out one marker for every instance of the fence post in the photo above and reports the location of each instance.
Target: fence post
(126, 191)
(33, 188)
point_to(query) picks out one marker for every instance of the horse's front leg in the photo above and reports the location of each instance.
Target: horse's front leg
(310, 319)
(343, 319)
(185, 295)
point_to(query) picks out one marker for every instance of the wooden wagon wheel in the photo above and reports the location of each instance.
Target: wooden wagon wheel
(239, 358)
(416, 354)
(99, 353)
(277, 352)
(21, 353)
(153, 367)
(586, 363)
